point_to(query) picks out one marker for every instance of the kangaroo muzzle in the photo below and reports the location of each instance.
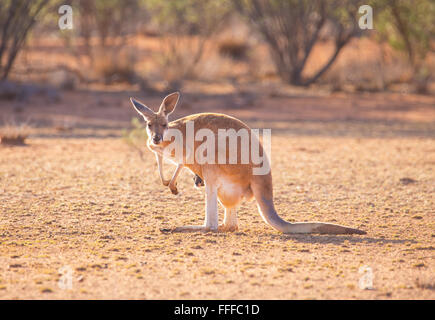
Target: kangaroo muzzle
(157, 138)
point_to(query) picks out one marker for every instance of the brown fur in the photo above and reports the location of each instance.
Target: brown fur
(232, 182)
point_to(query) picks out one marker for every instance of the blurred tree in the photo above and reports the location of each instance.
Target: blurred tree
(112, 19)
(186, 25)
(291, 28)
(116, 18)
(17, 18)
(110, 23)
(408, 26)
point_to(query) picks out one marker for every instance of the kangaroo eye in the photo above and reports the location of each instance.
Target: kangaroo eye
(149, 125)
(165, 125)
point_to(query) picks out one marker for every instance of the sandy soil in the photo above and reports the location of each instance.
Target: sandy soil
(81, 198)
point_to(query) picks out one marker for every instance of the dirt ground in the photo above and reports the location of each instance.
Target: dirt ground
(78, 197)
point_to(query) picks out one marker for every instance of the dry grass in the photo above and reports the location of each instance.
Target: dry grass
(13, 134)
(95, 206)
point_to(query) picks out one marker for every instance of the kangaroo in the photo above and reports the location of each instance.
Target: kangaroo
(228, 183)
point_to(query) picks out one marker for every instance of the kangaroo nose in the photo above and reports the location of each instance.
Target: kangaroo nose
(157, 138)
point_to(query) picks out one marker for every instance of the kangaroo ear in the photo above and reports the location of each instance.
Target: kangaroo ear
(169, 103)
(142, 109)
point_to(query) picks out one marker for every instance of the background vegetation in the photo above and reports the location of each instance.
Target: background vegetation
(108, 36)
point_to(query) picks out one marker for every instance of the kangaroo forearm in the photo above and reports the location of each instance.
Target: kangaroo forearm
(173, 183)
(159, 159)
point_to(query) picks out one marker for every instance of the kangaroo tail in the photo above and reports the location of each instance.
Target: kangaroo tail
(262, 188)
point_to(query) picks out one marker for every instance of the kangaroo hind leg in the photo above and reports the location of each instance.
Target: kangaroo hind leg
(230, 220)
(211, 213)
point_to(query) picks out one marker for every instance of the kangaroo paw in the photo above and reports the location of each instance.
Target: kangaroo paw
(173, 189)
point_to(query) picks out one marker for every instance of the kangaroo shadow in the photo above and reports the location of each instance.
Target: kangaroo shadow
(337, 239)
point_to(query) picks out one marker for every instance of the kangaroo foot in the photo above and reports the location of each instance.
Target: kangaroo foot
(173, 188)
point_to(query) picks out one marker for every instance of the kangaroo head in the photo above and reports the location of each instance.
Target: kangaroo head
(157, 122)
